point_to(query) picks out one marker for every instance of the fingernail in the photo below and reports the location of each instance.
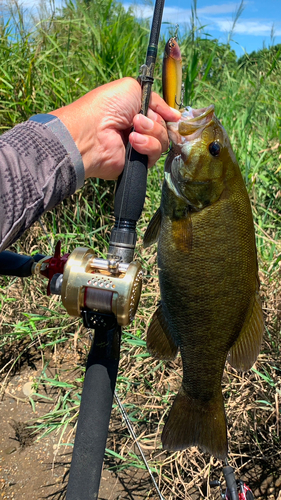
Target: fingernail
(152, 115)
(146, 123)
(138, 138)
(176, 112)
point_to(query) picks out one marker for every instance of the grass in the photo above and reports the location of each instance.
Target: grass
(45, 64)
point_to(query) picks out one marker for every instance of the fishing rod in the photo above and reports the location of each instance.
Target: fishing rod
(236, 489)
(105, 293)
(102, 366)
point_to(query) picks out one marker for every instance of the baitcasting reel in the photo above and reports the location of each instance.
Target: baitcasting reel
(107, 286)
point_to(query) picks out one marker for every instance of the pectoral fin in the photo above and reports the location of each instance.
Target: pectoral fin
(182, 233)
(160, 343)
(152, 233)
(246, 349)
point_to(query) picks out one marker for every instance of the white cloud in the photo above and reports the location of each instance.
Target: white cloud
(145, 11)
(225, 8)
(208, 16)
(178, 14)
(141, 11)
(245, 27)
(170, 14)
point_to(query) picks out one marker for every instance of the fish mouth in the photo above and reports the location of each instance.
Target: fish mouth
(194, 120)
(197, 115)
(191, 124)
(182, 133)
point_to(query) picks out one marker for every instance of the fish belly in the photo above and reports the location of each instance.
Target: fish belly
(206, 290)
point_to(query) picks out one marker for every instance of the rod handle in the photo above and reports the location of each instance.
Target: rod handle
(230, 480)
(14, 264)
(131, 186)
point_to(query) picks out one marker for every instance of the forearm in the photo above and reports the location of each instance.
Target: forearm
(36, 173)
(40, 167)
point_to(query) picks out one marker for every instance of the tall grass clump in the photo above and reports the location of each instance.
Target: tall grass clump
(247, 100)
(60, 58)
(49, 58)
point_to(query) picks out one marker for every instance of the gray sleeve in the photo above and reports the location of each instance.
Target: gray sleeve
(36, 173)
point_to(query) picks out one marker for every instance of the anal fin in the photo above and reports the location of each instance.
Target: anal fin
(246, 349)
(160, 342)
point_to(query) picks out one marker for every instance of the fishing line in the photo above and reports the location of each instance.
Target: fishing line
(125, 183)
(46, 234)
(134, 437)
(129, 160)
(146, 80)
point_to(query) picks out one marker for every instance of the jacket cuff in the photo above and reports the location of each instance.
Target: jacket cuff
(62, 133)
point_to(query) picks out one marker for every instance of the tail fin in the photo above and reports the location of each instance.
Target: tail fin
(193, 423)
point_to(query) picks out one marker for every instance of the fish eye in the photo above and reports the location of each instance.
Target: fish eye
(214, 148)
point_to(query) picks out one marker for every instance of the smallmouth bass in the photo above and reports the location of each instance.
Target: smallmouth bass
(208, 273)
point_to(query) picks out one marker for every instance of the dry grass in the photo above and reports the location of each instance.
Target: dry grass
(147, 387)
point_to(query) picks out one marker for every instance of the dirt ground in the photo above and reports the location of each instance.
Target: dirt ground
(33, 469)
(38, 469)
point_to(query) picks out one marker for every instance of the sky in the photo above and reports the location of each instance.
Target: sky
(253, 29)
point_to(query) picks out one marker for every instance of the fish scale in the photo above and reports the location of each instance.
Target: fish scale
(208, 277)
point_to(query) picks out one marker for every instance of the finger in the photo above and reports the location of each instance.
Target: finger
(146, 145)
(158, 105)
(146, 126)
(155, 117)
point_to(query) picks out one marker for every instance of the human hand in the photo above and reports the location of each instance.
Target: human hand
(100, 123)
